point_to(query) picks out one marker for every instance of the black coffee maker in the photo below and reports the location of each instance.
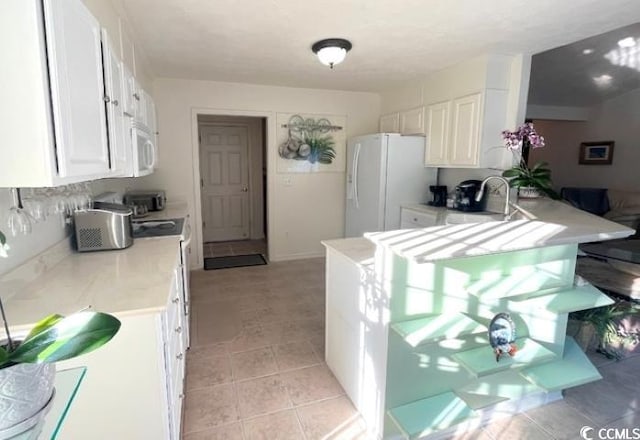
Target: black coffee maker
(439, 195)
(465, 198)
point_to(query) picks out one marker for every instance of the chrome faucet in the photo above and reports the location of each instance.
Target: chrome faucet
(506, 184)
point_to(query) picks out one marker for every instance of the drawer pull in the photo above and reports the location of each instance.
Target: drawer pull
(178, 329)
(176, 300)
(179, 356)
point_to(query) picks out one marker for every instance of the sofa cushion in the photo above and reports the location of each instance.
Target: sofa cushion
(624, 200)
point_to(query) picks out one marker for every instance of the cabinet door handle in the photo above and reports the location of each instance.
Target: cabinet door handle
(176, 300)
(115, 102)
(179, 356)
(136, 96)
(180, 396)
(178, 329)
(106, 98)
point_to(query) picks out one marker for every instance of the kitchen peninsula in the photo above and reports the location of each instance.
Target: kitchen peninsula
(408, 313)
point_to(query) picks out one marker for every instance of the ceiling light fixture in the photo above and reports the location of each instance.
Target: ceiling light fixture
(331, 51)
(603, 80)
(587, 51)
(627, 42)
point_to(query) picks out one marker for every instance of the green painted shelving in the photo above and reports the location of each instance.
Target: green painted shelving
(437, 327)
(532, 283)
(496, 388)
(572, 370)
(425, 416)
(564, 301)
(481, 361)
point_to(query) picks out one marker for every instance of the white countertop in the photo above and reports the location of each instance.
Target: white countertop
(128, 281)
(556, 223)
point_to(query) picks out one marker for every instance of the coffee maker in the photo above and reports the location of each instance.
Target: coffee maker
(465, 196)
(439, 195)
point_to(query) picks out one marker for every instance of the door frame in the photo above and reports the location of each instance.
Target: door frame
(269, 142)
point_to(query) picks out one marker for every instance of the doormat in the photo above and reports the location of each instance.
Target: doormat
(214, 263)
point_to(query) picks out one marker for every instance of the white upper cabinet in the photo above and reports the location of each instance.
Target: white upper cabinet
(52, 117)
(465, 126)
(437, 141)
(119, 124)
(412, 121)
(130, 92)
(77, 89)
(460, 131)
(390, 123)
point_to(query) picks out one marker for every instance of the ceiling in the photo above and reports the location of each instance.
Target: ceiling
(269, 41)
(588, 71)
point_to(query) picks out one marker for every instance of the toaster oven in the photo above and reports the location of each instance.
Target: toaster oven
(153, 200)
(103, 229)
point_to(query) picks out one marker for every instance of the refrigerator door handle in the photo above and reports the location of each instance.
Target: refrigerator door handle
(356, 160)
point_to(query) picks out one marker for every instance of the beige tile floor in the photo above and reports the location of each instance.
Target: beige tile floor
(239, 247)
(256, 370)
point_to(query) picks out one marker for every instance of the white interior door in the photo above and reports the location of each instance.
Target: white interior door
(224, 173)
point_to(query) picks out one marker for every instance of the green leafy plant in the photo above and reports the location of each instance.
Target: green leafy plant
(56, 338)
(538, 177)
(605, 323)
(321, 149)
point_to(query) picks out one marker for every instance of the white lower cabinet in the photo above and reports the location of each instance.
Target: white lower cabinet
(134, 385)
(411, 219)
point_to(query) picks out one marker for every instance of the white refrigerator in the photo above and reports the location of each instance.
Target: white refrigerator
(384, 171)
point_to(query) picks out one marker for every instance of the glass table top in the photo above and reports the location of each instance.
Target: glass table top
(66, 385)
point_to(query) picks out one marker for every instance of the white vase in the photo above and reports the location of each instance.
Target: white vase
(25, 389)
(529, 192)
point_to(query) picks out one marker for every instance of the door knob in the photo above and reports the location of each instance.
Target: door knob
(245, 189)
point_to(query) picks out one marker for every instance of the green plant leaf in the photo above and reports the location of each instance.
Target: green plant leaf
(69, 337)
(4, 356)
(512, 172)
(42, 325)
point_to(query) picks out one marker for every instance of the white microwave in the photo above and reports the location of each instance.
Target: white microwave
(145, 152)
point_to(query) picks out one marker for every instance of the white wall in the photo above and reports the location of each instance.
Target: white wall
(302, 208)
(617, 119)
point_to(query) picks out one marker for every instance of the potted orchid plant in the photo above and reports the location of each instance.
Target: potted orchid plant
(530, 181)
(26, 364)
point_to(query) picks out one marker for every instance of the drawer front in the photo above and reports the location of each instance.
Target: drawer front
(418, 219)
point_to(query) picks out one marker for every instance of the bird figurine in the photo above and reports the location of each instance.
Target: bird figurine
(502, 335)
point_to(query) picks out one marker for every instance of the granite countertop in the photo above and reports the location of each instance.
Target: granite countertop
(553, 223)
(127, 281)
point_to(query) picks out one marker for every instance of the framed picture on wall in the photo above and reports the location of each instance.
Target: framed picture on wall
(596, 153)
